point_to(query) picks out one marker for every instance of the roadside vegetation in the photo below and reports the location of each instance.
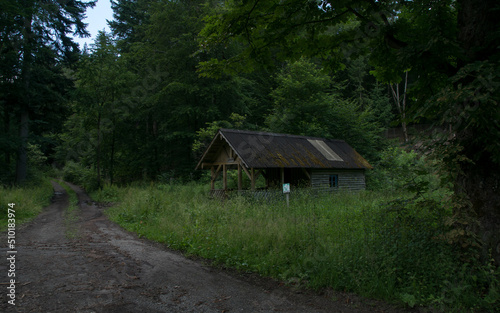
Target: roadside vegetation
(29, 201)
(32, 196)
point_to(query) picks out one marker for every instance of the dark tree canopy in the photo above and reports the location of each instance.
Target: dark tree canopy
(36, 45)
(449, 47)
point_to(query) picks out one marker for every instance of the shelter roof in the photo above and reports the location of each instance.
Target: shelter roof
(272, 150)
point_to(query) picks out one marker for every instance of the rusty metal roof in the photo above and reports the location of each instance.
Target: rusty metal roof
(271, 150)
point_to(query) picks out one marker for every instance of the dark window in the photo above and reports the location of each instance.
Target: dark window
(334, 181)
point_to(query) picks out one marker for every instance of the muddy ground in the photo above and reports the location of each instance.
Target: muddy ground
(89, 264)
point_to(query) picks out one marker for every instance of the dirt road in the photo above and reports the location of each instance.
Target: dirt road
(89, 264)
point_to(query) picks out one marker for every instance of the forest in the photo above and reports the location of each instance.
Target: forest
(140, 104)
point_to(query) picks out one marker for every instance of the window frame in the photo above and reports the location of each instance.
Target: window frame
(333, 180)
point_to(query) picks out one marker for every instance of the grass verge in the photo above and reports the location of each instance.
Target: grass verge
(29, 201)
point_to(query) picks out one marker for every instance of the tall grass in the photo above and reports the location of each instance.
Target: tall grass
(29, 201)
(363, 242)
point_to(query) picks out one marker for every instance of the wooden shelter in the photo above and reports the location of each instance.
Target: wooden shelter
(299, 160)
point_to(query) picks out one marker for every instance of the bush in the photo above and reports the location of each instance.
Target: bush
(403, 171)
(109, 193)
(429, 270)
(83, 176)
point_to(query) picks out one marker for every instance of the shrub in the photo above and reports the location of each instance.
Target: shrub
(401, 170)
(85, 177)
(109, 193)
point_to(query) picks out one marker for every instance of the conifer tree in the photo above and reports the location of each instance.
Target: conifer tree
(36, 45)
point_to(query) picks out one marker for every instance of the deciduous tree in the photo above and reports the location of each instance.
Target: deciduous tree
(309, 102)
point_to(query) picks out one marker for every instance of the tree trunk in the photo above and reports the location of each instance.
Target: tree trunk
(112, 159)
(6, 122)
(479, 181)
(401, 105)
(22, 154)
(98, 156)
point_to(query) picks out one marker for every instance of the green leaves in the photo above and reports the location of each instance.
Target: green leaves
(470, 104)
(270, 31)
(307, 101)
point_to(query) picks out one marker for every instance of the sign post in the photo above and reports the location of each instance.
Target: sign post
(286, 191)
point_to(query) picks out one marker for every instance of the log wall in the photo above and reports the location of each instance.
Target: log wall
(347, 179)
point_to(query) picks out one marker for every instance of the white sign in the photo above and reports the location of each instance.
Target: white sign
(286, 188)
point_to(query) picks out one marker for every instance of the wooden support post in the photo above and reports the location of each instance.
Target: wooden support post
(224, 176)
(282, 170)
(215, 174)
(252, 179)
(212, 180)
(240, 180)
(306, 172)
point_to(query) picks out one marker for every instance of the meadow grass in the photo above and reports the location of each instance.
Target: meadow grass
(365, 242)
(29, 201)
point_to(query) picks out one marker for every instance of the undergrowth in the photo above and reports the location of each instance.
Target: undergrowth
(369, 243)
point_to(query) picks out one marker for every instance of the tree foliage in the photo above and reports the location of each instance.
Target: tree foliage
(310, 102)
(140, 100)
(102, 82)
(164, 103)
(451, 48)
(36, 47)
